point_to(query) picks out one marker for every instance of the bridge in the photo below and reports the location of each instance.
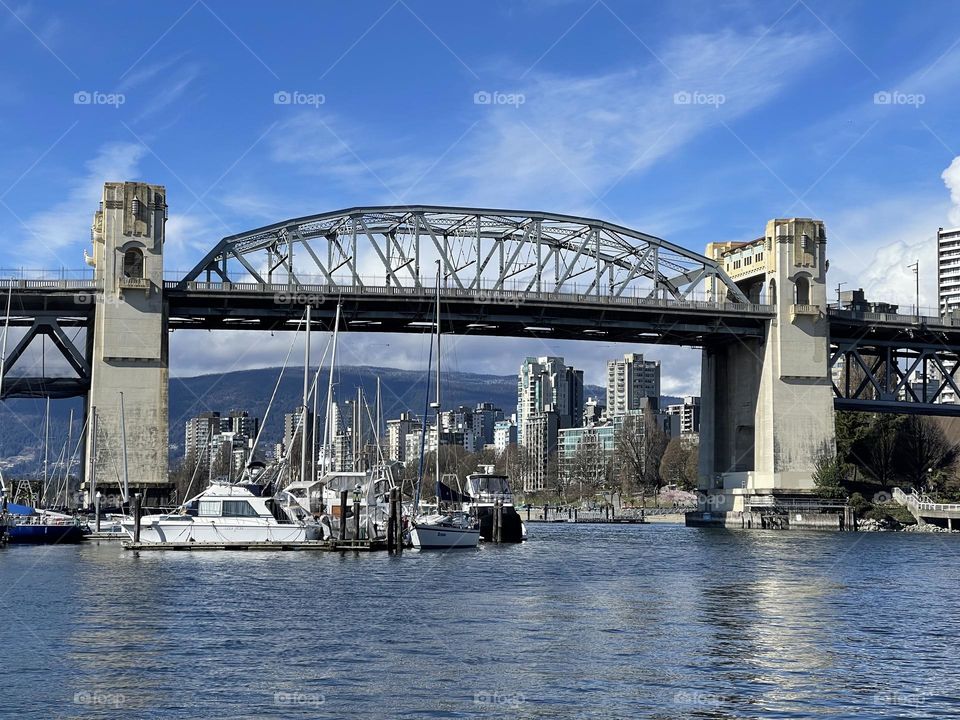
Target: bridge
(774, 367)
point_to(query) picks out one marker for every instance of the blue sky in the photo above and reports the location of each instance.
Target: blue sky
(849, 112)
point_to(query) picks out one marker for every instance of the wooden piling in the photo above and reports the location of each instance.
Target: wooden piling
(136, 517)
(356, 519)
(392, 522)
(497, 520)
(343, 515)
(96, 512)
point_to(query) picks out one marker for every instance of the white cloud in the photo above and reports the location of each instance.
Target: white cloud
(66, 224)
(951, 178)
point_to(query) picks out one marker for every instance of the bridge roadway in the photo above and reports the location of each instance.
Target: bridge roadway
(888, 347)
(260, 306)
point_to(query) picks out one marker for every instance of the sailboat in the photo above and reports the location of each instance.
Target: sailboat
(455, 528)
(22, 523)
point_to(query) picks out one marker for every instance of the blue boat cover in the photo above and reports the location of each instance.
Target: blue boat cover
(15, 509)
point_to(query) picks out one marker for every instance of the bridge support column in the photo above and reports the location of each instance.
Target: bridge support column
(129, 349)
(767, 407)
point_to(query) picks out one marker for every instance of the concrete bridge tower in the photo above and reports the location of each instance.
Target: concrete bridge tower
(767, 405)
(128, 344)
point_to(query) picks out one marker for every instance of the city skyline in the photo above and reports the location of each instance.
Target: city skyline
(882, 199)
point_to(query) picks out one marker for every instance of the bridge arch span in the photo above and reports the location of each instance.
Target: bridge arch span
(396, 246)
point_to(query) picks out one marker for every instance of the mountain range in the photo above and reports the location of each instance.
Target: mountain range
(22, 421)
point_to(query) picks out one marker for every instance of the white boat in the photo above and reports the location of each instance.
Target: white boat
(485, 489)
(231, 513)
(453, 530)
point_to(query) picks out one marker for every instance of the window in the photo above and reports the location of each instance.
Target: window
(133, 263)
(210, 508)
(802, 286)
(238, 508)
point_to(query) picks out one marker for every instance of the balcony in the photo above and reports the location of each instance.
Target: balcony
(132, 283)
(805, 310)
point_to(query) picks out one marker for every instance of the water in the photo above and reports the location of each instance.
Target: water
(653, 621)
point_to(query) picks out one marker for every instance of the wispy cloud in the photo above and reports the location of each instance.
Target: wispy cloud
(44, 238)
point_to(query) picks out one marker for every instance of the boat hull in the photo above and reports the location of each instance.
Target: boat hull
(220, 532)
(44, 534)
(427, 537)
(511, 528)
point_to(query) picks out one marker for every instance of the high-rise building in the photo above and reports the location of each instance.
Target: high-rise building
(504, 435)
(629, 381)
(948, 269)
(593, 412)
(685, 417)
(397, 431)
(211, 437)
(549, 397)
(200, 431)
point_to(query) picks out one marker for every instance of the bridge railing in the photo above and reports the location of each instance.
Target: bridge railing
(923, 502)
(304, 293)
(35, 284)
(904, 318)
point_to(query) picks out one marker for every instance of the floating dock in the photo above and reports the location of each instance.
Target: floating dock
(315, 545)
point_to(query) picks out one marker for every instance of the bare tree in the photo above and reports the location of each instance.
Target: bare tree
(678, 466)
(925, 455)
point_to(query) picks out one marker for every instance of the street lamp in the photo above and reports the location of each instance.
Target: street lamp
(916, 273)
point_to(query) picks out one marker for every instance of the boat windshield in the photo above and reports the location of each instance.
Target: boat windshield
(484, 487)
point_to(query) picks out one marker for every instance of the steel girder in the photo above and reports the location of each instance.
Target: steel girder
(477, 249)
(49, 325)
(894, 376)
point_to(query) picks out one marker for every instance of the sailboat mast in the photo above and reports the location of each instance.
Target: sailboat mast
(123, 440)
(303, 409)
(6, 331)
(66, 480)
(328, 419)
(438, 389)
(46, 452)
(92, 469)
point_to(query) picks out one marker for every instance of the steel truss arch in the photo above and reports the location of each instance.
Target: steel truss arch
(479, 249)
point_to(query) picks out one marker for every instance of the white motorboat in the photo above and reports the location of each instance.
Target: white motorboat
(231, 513)
(485, 490)
(452, 530)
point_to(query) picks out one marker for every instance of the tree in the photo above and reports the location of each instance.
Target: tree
(925, 456)
(639, 449)
(589, 469)
(679, 465)
(876, 446)
(828, 475)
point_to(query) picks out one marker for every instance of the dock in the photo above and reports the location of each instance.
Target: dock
(307, 545)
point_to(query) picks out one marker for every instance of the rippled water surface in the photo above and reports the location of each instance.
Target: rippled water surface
(652, 621)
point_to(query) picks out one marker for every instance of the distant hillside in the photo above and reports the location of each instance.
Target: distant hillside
(21, 421)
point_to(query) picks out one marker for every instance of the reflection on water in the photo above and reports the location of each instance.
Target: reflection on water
(582, 621)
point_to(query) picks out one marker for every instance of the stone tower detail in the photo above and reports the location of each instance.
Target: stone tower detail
(128, 345)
